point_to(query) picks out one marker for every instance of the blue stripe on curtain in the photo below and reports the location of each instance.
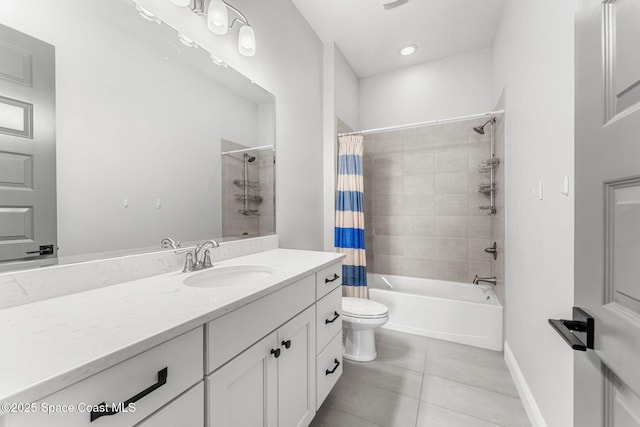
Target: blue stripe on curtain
(349, 201)
(352, 238)
(349, 164)
(348, 204)
(354, 275)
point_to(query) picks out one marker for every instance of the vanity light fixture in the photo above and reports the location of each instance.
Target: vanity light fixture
(147, 15)
(217, 13)
(408, 50)
(181, 2)
(186, 40)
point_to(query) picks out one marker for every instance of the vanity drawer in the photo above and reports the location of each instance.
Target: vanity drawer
(234, 332)
(186, 410)
(328, 318)
(329, 368)
(182, 357)
(328, 279)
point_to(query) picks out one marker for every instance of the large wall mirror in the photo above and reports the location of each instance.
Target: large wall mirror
(123, 134)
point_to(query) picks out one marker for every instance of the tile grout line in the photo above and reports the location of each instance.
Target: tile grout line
(466, 415)
(475, 386)
(333, 408)
(424, 372)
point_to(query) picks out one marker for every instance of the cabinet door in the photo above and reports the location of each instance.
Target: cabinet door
(296, 370)
(244, 392)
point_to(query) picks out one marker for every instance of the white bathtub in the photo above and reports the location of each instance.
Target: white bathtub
(464, 313)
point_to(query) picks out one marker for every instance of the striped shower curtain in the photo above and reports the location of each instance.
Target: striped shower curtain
(349, 231)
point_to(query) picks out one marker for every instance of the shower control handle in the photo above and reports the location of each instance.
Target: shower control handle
(335, 316)
(275, 352)
(333, 279)
(287, 344)
(493, 250)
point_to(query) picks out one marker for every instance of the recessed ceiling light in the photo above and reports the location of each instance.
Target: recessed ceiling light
(408, 50)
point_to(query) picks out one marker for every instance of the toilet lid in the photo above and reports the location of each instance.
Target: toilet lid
(364, 308)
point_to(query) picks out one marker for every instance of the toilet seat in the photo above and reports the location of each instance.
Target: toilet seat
(359, 308)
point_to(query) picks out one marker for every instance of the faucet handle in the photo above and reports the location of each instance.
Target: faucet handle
(188, 263)
(207, 259)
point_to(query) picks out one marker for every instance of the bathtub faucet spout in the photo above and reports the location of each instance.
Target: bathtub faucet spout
(490, 280)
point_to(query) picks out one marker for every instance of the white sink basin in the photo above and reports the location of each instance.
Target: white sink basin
(223, 277)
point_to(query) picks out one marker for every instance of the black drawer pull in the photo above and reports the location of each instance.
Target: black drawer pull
(329, 372)
(105, 411)
(335, 277)
(275, 352)
(335, 316)
(287, 344)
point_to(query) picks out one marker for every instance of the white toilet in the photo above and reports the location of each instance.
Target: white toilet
(359, 318)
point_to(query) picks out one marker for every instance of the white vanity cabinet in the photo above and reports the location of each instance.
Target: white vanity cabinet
(270, 384)
(329, 330)
(160, 374)
(270, 362)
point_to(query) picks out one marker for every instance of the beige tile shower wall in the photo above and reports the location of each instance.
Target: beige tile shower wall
(234, 223)
(497, 220)
(421, 202)
(266, 171)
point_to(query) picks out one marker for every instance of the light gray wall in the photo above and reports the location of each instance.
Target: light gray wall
(533, 64)
(347, 91)
(123, 130)
(341, 111)
(455, 86)
(288, 63)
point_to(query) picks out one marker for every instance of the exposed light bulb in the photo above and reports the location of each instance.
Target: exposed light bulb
(217, 17)
(181, 2)
(147, 15)
(408, 50)
(247, 41)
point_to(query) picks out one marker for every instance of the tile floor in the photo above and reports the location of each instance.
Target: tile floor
(420, 382)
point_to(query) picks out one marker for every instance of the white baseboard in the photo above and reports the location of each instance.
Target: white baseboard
(533, 412)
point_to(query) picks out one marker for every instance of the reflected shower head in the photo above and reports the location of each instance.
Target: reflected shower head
(249, 158)
(480, 129)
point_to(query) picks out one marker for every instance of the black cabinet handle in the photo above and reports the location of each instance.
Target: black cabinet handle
(329, 372)
(335, 316)
(43, 250)
(275, 352)
(333, 279)
(582, 323)
(105, 411)
(287, 344)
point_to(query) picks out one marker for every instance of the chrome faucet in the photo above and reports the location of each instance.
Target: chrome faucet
(490, 280)
(168, 242)
(193, 262)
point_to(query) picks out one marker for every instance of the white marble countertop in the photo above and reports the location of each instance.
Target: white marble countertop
(51, 344)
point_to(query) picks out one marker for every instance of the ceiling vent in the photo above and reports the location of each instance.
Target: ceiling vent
(390, 4)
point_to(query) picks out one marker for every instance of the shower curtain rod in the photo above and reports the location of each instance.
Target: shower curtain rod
(421, 124)
(244, 150)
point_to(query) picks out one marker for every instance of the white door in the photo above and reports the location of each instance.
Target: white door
(27, 147)
(244, 392)
(607, 246)
(296, 370)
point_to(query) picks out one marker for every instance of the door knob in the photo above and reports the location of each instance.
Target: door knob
(576, 331)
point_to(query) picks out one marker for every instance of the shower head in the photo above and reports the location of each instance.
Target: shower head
(249, 158)
(480, 129)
